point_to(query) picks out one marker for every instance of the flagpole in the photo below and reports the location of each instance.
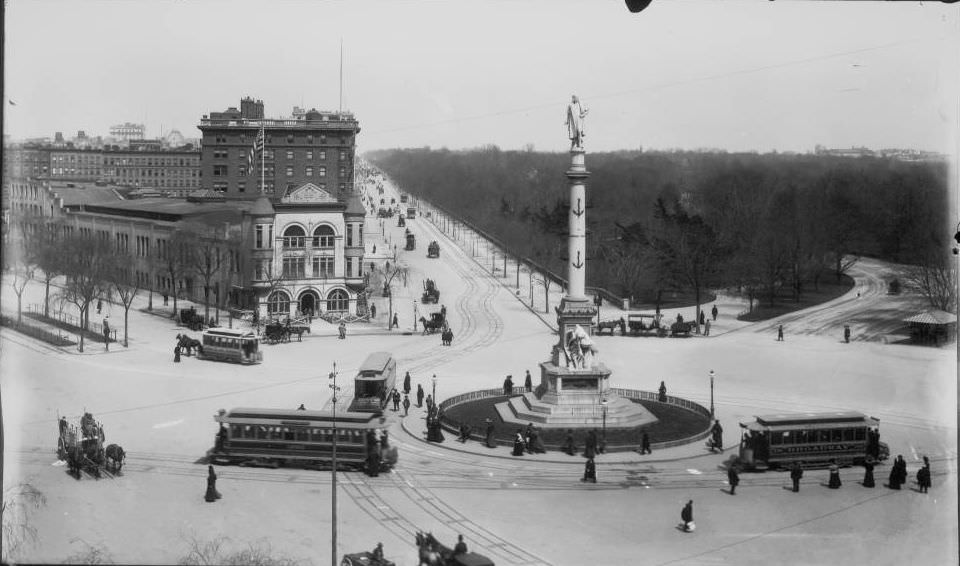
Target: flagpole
(263, 153)
(340, 111)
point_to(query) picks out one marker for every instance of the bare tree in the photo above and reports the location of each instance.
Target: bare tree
(936, 278)
(127, 288)
(206, 258)
(15, 508)
(49, 254)
(174, 259)
(87, 266)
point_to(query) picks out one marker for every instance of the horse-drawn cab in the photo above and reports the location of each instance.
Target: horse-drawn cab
(436, 323)
(411, 242)
(432, 553)
(433, 250)
(401, 222)
(81, 446)
(430, 292)
(646, 323)
(191, 319)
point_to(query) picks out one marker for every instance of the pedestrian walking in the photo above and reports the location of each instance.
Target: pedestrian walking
(834, 482)
(419, 396)
(489, 440)
(396, 400)
(508, 385)
(662, 393)
(714, 312)
(212, 493)
(796, 472)
(373, 311)
(733, 478)
(923, 476)
(396, 321)
(176, 354)
(868, 480)
(106, 331)
(703, 318)
(590, 447)
(846, 333)
(406, 383)
(429, 403)
(780, 333)
(165, 298)
(569, 446)
(406, 405)
(99, 305)
(645, 444)
(706, 328)
(528, 382)
(590, 471)
(686, 515)
(342, 329)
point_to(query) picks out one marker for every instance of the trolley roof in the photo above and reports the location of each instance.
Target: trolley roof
(230, 332)
(810, 420)
(248, 414)
(376, 363)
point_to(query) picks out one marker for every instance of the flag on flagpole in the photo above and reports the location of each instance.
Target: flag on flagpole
(251, 162)
(258, 145)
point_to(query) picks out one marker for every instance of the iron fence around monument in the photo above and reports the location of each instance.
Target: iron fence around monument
(633, 394)
(72, 323)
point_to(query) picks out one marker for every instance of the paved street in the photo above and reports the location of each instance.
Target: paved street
(527, 510)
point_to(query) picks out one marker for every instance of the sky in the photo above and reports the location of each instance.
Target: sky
(747, 75)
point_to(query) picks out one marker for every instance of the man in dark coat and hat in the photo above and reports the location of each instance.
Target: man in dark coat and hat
(868, 480)
(528, 382)
(834, 482)
(508, 385)
(687, 516)
(419, 395)
(406, 383)
(733, 478)
(590, 471)
(796, 472)
(569, 446)
(212, 493)
(645, 444)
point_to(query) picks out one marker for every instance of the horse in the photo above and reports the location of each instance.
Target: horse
(612, 325)
(427, 544)
(187, 344)
(429, 326)
(115, 457)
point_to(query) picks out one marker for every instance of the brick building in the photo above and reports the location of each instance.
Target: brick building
(311, 147)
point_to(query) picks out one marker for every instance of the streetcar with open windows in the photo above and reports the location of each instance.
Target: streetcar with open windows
(777, 441)
(301, 438)
(230, 345)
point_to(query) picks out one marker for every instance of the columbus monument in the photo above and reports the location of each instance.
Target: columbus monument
(574, 390)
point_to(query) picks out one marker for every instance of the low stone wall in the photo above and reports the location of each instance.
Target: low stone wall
(453, 428)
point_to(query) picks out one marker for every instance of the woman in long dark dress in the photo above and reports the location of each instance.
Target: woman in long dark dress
(212, 493)
(868, 480)
(834, 476)
(518, 444)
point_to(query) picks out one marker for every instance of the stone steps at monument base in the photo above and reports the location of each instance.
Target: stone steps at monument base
(527, 408)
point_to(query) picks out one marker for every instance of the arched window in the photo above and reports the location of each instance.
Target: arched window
(278, 303)
(338, 301)
(294, 237)
(323, 237)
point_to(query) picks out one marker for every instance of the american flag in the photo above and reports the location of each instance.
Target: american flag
(251, 162)
(258, 145)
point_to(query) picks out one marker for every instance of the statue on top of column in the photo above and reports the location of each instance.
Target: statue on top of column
(575, 115)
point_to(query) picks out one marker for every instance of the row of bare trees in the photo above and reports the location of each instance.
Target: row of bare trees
(96, 265)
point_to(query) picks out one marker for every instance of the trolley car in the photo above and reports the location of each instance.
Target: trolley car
(279, 437)
(375, 380)
(230, 345)
(811, 438)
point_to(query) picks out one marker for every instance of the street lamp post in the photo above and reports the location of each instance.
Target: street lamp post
(434, 388)
(333, 498)
(414, 315)
(711, 394)
(603, 405)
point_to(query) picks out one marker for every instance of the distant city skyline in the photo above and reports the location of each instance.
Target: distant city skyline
(737, 76)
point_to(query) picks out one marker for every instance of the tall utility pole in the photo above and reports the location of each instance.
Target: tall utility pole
(333, 499)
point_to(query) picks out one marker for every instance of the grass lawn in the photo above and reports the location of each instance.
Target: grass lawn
(829, 289)
(674, 423)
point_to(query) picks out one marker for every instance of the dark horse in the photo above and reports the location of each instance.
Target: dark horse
(115, 456)
(431, 326)
(187, 344)
(429, 551)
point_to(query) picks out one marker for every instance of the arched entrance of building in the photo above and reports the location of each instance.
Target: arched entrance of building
(309, 303)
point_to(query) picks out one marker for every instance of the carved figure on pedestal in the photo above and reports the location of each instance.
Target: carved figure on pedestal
(575, 115)
(580, 351)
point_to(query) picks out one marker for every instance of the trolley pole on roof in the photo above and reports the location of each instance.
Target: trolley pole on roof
(333, 498)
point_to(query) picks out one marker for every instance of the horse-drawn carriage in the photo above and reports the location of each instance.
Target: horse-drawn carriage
(81, 446)
(646, 324)
(430, 292)
(681, 328)
(276, 331)
(612, 325)
(436, 323)
(191, 319)
(433, 250)
(411, 242)
(433, 553)
(365, 559)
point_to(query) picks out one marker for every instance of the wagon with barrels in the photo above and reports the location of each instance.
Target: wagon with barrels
(81, 446)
